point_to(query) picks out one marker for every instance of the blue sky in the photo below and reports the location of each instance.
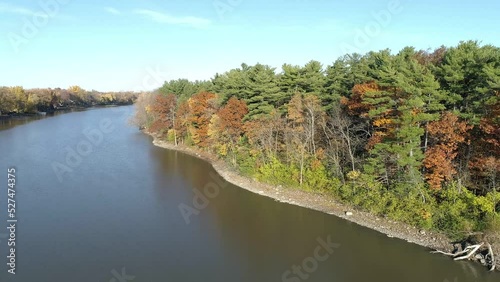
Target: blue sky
(113, 45)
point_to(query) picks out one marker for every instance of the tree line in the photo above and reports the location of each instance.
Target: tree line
(414, 136)
(17, 100)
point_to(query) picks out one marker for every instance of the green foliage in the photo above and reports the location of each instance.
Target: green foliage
(398, 204)
(246, 162)
(470, 74)
(459, 211)
(171, 135)
(276, 172)
(317, 179)
(256, 85)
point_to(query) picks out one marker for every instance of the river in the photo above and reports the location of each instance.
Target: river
(97, 201)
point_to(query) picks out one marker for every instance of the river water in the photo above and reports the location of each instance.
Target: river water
(96, 201)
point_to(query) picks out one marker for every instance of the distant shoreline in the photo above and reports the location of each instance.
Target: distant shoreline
(58, 110)
(316, 201)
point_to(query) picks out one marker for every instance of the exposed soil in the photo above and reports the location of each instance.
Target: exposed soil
(323, 203)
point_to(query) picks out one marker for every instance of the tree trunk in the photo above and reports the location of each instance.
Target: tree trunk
(301, 166)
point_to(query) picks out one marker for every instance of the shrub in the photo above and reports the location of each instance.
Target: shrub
(275, 172)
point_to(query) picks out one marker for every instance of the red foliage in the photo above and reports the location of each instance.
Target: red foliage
(231, 117)
(163, 109)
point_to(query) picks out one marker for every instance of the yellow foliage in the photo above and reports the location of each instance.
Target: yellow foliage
(425, 214)
(381, 122)
(353, 175)
(75, 89)
(223, 149)
(109, 97)
(213, 127)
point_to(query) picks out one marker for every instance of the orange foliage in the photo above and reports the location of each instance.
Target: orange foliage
(376, 138)
(201, 108)
(231, 117)
(355, 104)
(382, 122)
(182, 120)
(163, 108)
(448, 133)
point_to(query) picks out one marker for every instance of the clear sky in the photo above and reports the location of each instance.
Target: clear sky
(113, 45)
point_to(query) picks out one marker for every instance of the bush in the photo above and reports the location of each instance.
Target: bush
(246, 162)
(275, 172)
(459, 211)
(317, 179)
(171, 135)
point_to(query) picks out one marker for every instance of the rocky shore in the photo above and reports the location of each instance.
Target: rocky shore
(320, 202)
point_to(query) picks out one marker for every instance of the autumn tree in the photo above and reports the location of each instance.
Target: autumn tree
(143, 116)
(201, 108)
(265, 134)
(428, 58)
(8, 103)
(227, 126)
(485, 159)
(305, 119)
(79, 95)
(164, 110)
(446, 135)
(182, 122)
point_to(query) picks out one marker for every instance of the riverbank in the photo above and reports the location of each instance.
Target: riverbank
(320, 202)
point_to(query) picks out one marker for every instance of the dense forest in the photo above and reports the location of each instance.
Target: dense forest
(19, 101)
(412, 136)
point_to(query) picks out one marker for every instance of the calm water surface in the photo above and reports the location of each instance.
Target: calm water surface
(115, 208)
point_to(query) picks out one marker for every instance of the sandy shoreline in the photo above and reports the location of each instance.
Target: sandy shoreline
(319, 202)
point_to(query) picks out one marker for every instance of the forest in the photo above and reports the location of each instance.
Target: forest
(19, 101)
(413, 136)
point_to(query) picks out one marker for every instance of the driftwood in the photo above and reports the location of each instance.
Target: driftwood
(469, 251)
(455, 255)
(444, 253)
(492, 257)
